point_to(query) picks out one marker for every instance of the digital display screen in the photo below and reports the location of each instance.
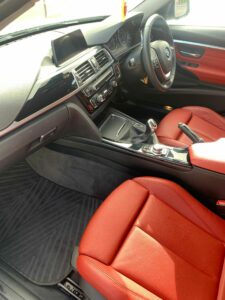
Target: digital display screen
(67, 46)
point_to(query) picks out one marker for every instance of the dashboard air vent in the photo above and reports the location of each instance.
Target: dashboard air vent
(102, 58)
(85, 71)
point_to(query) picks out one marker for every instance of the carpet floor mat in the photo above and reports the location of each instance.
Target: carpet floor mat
(40, 224)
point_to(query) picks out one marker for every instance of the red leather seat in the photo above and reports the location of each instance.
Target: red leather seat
(205, 122)
(150, 239)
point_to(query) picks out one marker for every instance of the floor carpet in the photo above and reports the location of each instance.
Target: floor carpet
(40, 224)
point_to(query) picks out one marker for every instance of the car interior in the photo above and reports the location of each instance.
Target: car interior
(112, 159)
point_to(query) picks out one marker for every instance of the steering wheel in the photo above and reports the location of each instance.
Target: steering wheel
(158, 53)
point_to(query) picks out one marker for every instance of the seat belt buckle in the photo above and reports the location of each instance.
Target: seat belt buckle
(220, 207)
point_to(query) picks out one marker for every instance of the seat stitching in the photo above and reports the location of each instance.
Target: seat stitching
(122, 286)
(130, 227)
(205, 273)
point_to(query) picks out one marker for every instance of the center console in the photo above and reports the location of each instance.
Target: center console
(101, 89)
(122, 131)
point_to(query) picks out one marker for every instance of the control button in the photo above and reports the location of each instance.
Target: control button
(113, 83)
(88, 91)
(146, 148)
(100, 98)
(105, 92)
(94, 102)
(132, 62)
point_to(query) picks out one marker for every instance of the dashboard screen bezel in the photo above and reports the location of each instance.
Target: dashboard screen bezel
(67, 46)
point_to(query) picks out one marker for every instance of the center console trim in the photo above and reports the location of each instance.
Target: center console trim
(115, 122)
(138, 149)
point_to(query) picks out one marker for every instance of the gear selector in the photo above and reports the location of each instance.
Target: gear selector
(149, 136)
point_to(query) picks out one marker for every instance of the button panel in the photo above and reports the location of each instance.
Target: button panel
(98, 92)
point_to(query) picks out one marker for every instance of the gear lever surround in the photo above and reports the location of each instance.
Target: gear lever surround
(149, 136)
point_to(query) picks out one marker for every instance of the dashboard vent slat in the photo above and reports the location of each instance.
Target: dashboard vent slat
(85, 71)
(102, 58)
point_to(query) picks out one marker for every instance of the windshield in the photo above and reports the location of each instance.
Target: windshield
(53, 11)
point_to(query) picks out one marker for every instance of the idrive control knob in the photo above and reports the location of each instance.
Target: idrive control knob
(160, 150)
(157, 149)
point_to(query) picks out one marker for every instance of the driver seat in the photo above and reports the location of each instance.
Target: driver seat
(205, 122)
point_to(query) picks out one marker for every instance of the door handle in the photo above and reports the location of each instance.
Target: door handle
(190, 54)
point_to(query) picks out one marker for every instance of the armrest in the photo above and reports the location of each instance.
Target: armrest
(210, 156)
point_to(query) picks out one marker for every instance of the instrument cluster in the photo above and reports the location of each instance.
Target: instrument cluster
(125, 38)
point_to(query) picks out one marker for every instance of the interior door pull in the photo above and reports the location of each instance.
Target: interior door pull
(189, 54)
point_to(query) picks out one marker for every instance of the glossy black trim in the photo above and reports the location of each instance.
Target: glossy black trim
(56, 88)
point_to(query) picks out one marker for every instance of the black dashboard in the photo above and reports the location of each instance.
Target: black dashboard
(31, 82)
(40, 97)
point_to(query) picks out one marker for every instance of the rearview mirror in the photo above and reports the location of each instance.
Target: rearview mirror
(181, 8)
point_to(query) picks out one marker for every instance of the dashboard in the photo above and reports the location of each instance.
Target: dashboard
(31, 80)
(35, 88)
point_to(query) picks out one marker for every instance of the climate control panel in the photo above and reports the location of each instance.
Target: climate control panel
(99, 91)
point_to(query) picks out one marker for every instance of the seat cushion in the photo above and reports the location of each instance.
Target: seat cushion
(150, 239)
(205, 122)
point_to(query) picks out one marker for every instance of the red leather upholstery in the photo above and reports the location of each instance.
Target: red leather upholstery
(205, 122)
(209, 156)
(151, 239)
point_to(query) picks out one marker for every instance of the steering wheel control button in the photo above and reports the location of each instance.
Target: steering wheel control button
(167, 52)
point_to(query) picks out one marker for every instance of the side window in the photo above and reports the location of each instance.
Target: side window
(207, 13)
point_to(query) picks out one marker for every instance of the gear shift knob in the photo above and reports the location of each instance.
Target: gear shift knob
(151, 126)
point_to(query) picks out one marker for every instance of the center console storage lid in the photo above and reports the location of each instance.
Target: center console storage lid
(210, 156)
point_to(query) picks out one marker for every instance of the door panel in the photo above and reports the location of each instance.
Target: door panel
(204, 61)
(199, 80)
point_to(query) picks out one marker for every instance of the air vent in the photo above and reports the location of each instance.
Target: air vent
(102, 58)
(85, 71)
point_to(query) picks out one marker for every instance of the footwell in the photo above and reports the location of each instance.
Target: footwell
(40, 224)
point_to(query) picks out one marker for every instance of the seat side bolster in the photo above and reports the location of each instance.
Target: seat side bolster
(207, 115)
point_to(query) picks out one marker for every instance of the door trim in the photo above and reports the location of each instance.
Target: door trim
(198, 44)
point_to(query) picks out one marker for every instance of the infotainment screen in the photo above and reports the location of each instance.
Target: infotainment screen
(67, 46)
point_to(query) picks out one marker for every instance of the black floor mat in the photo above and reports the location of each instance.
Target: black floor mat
(40, 224)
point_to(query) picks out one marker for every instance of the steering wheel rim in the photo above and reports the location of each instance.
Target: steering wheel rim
(159, 56)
